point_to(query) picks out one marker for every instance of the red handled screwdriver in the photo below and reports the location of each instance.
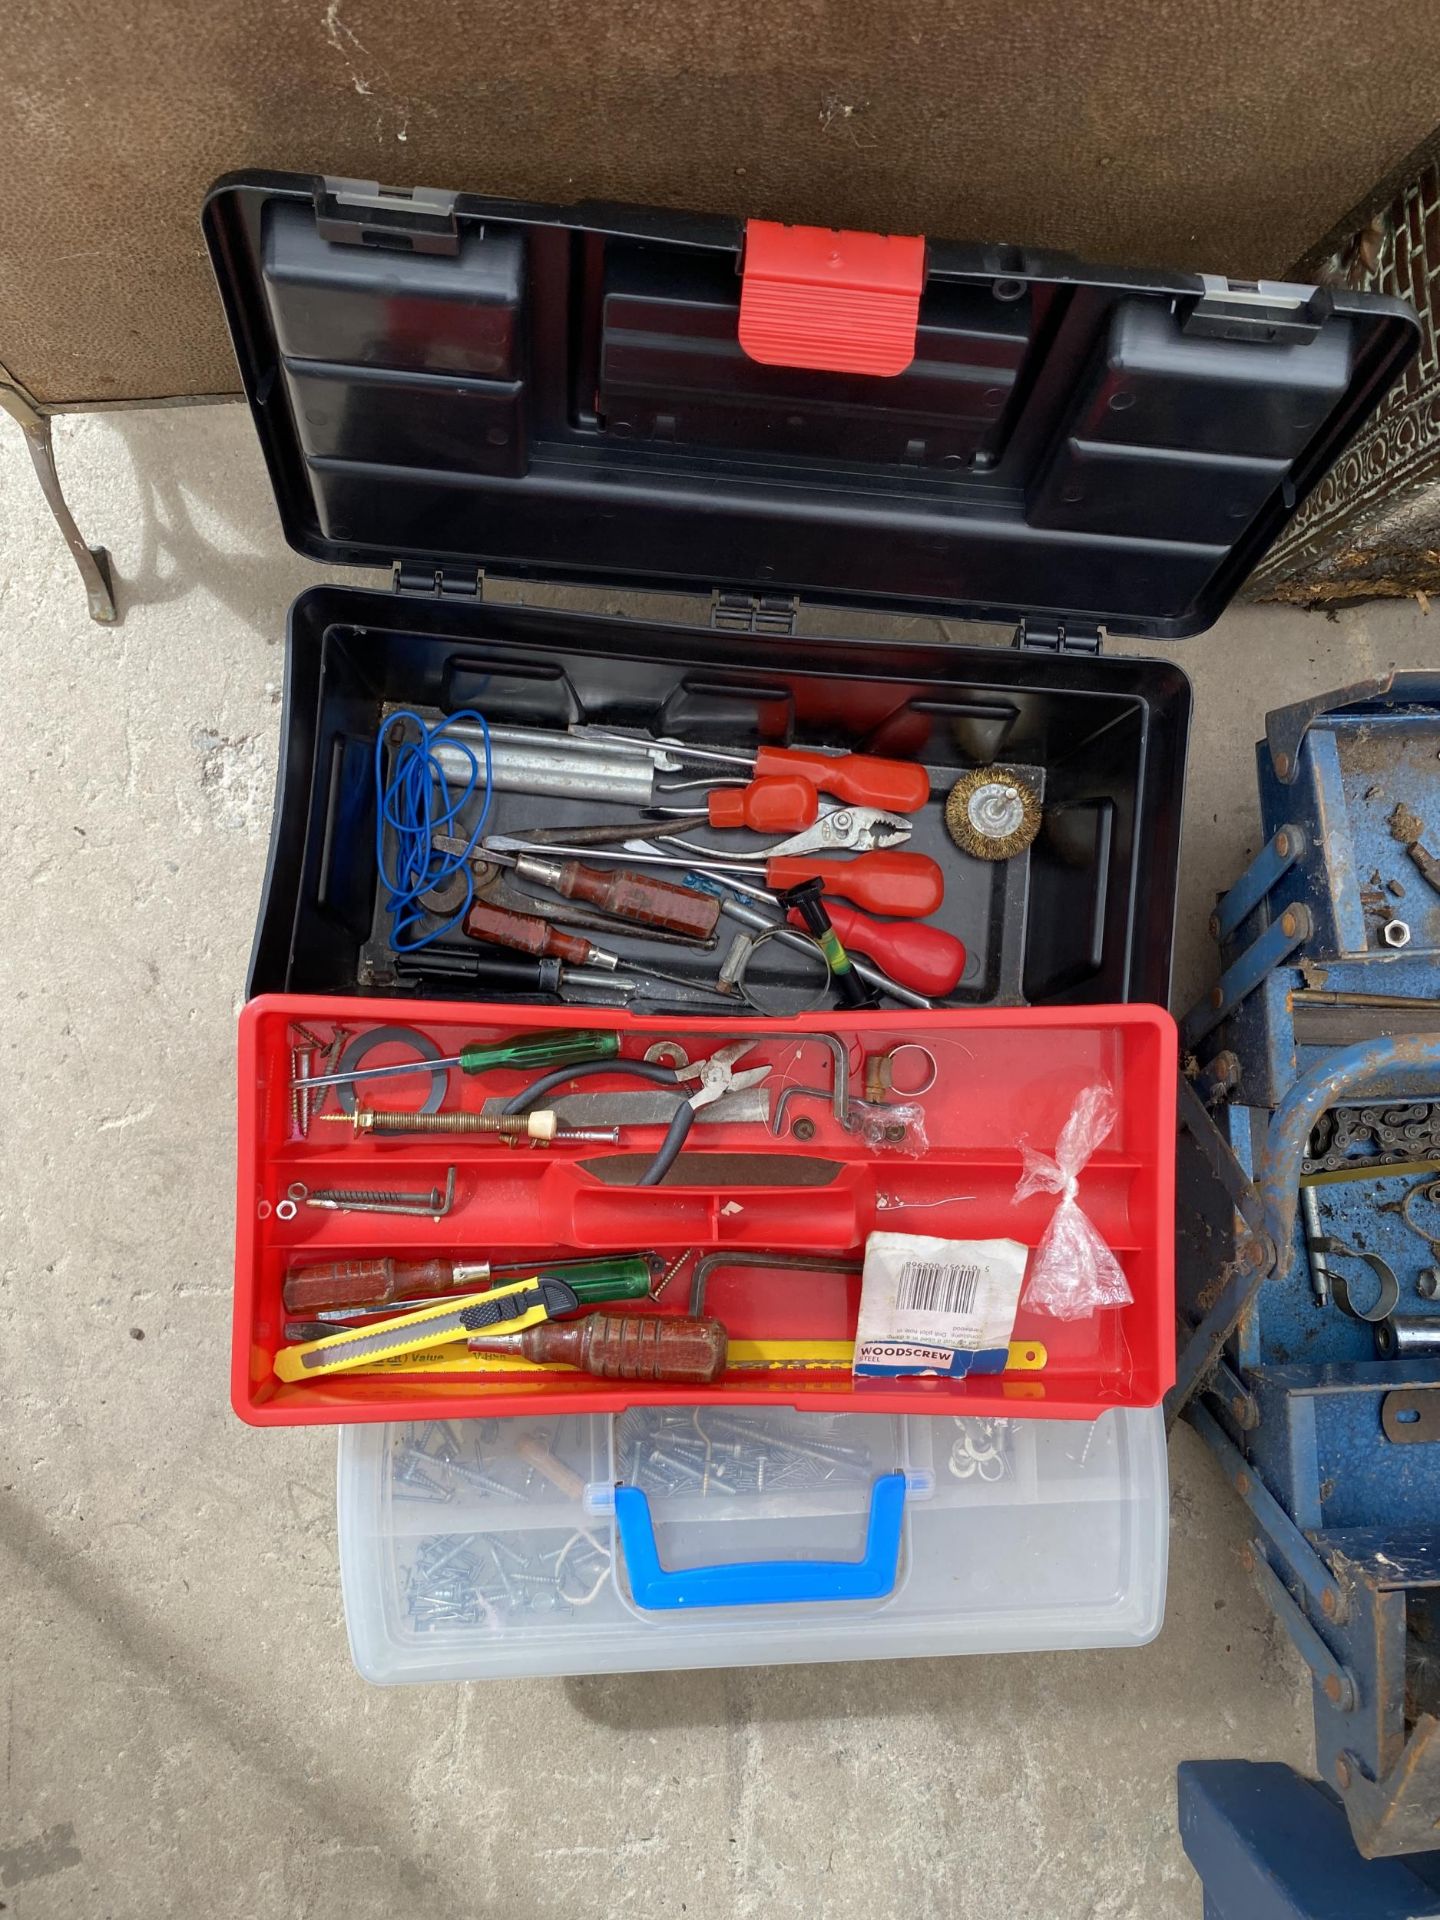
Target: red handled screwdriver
(864, 779)
(908, 885)
(765, 806)
(926, 959)
(777, 805)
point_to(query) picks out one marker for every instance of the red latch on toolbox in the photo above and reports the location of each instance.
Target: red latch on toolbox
(835, 302)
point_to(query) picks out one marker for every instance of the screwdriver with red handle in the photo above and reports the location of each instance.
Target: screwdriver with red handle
(861, 778)
(910, 886)
(864, 779)
(778, 804)
(919, 961)
(925, 958)
(765, 806)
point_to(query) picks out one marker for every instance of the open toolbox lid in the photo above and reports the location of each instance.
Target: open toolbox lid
(453, 384)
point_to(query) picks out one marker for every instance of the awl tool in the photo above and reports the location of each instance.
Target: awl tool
(509, 973)
(517, 1306)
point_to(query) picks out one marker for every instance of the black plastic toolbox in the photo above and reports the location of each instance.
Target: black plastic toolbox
(485, 395)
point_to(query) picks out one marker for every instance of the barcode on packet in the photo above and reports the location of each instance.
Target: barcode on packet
(933, 1286)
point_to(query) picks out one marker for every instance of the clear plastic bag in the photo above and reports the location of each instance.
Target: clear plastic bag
(1072, 1271)
(898, 1125)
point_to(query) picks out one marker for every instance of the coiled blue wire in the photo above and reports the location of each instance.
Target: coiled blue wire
(415, 803)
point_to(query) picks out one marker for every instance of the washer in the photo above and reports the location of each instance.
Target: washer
(364, 1044)
(667, 1053)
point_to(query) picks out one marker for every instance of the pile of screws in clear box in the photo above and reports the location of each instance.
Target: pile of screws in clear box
(682, 1450)
(478, 1578)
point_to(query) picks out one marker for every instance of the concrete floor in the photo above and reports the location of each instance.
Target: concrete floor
(182, 1729)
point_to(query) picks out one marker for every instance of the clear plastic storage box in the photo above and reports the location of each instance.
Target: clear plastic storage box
(675, 1537)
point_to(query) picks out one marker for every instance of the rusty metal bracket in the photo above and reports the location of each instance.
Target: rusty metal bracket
(1286, 727)
(93, 562)
(780, 1262)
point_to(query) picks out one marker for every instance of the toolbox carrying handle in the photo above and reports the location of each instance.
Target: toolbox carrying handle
(758, 1583)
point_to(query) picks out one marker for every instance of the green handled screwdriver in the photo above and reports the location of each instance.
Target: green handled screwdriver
(523, 1050)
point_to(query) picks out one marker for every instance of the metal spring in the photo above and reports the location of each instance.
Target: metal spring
(670, 1272)
(376, 1121)
(379, 1196)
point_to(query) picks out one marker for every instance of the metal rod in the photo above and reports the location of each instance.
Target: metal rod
(1333, 1676)
(1315, 1245)
(557, 772)
(631, 851)
(1270, 865)
(1239, 981)
(1281, 1531)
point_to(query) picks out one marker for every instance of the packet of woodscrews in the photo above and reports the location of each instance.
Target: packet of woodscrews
(931, 1306)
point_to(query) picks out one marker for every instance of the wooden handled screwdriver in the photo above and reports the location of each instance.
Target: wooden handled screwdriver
(541, 937)
(369, 1285)
(636, 897)
(617, 1346)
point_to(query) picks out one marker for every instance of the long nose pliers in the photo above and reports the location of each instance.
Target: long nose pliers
(716, 1075)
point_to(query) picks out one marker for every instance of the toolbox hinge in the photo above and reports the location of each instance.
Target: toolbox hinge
(362, 213)
(1038, 635)
(754, 612)
(1270, 313)
(437, 583)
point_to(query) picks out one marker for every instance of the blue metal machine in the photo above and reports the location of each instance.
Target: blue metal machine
(1270, 1846)
(1308, 1267)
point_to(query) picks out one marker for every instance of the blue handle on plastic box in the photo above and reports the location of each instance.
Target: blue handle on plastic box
(758, 1583)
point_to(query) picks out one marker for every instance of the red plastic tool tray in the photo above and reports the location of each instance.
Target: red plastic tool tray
(1002, 1075)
